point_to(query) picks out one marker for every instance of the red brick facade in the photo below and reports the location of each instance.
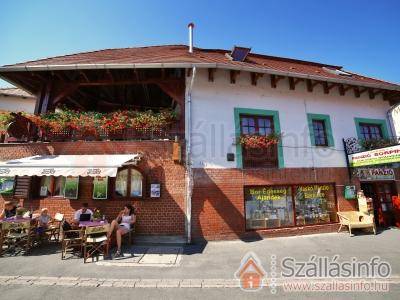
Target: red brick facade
(157, 216)
(218, 195)
(218, 199)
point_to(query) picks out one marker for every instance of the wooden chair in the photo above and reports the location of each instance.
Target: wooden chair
(71, 242)
(54, 229)
(129, 235)
(17, 236)
(95, 241)
(356, 219)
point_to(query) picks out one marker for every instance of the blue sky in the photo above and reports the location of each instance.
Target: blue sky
(362, 36)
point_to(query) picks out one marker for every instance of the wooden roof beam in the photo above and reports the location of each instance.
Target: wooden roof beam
(293, 82)
(211, 72)
(275, 79)
(327, 87)
(233, 75)
(255, 77)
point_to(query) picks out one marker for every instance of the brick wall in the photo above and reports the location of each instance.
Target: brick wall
(218, 199)
(164, 215)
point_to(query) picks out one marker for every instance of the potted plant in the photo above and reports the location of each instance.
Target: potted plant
(255, 141)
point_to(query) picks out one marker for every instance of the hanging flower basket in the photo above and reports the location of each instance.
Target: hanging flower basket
(253, 141)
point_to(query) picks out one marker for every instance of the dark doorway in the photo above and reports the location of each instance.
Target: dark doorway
(381, 194)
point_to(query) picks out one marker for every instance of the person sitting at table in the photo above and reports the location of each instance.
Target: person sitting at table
(43, 221)
(9, 211)
(122, 224)
(83, 211)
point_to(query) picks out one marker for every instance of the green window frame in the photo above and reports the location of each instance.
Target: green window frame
(328, 128)
(256, 112)
(381, 122)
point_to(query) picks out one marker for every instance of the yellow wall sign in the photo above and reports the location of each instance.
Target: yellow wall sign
(314, 191)
(268, 193)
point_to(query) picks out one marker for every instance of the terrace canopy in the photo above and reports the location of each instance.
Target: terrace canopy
(67, 165)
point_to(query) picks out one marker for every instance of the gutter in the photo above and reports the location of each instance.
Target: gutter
(392, 87)
(189, 171)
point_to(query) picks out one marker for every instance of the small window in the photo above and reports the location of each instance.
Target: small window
(136, 183)
(129, 182)
(121, 183)
(59, 184)
(371, 131)
(320, 136)
(45, 186)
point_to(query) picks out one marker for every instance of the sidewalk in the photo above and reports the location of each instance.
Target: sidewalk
(192, 266)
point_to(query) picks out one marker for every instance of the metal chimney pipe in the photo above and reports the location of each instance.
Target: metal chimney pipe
(191, 26)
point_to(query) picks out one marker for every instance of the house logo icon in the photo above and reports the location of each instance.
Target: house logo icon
(251, 274)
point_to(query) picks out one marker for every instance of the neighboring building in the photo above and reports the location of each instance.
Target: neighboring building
(16, 100)
(224, 189)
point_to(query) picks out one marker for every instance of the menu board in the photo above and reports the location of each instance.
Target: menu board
(71, 187)
(100, 188)
(268, 193)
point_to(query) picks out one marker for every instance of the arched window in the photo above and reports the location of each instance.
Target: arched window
(129, 183)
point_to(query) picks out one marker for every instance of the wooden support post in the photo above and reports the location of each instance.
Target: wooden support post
(46, 99)
(39, 100)
(211, 72)
(189, 72)
(233, 75)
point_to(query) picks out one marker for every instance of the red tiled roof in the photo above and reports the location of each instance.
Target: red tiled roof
(15, 92)
(179, 54)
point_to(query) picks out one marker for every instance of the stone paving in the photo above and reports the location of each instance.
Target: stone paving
(151, 283)
(142, 256)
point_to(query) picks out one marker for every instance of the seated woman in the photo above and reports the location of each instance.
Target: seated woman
(9, 211)
(122, 224)
(43, 222)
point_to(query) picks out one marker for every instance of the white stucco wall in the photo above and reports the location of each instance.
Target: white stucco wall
(395, 117)
(213, 125)
(17, 104)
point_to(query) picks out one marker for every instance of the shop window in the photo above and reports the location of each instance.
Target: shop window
(45, 186)
(121, 183)
(59, 186)
(370, 131)
(315, 204)
(258, 157)
(129, 181)
(268, 207)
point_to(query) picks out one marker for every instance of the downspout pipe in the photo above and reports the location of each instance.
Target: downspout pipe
(189, 171)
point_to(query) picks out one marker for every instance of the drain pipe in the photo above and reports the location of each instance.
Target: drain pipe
(189, 171)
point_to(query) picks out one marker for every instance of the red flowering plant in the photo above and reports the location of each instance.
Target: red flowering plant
(259, 141)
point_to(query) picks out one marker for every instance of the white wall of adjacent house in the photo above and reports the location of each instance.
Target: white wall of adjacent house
(395, 117)
(17, 104)
(213, 124)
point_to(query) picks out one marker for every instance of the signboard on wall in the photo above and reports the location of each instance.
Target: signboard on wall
(386, 155)
(350, 192)
(370, 174)
(100, 188)
(268, 193)
(155, 190)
